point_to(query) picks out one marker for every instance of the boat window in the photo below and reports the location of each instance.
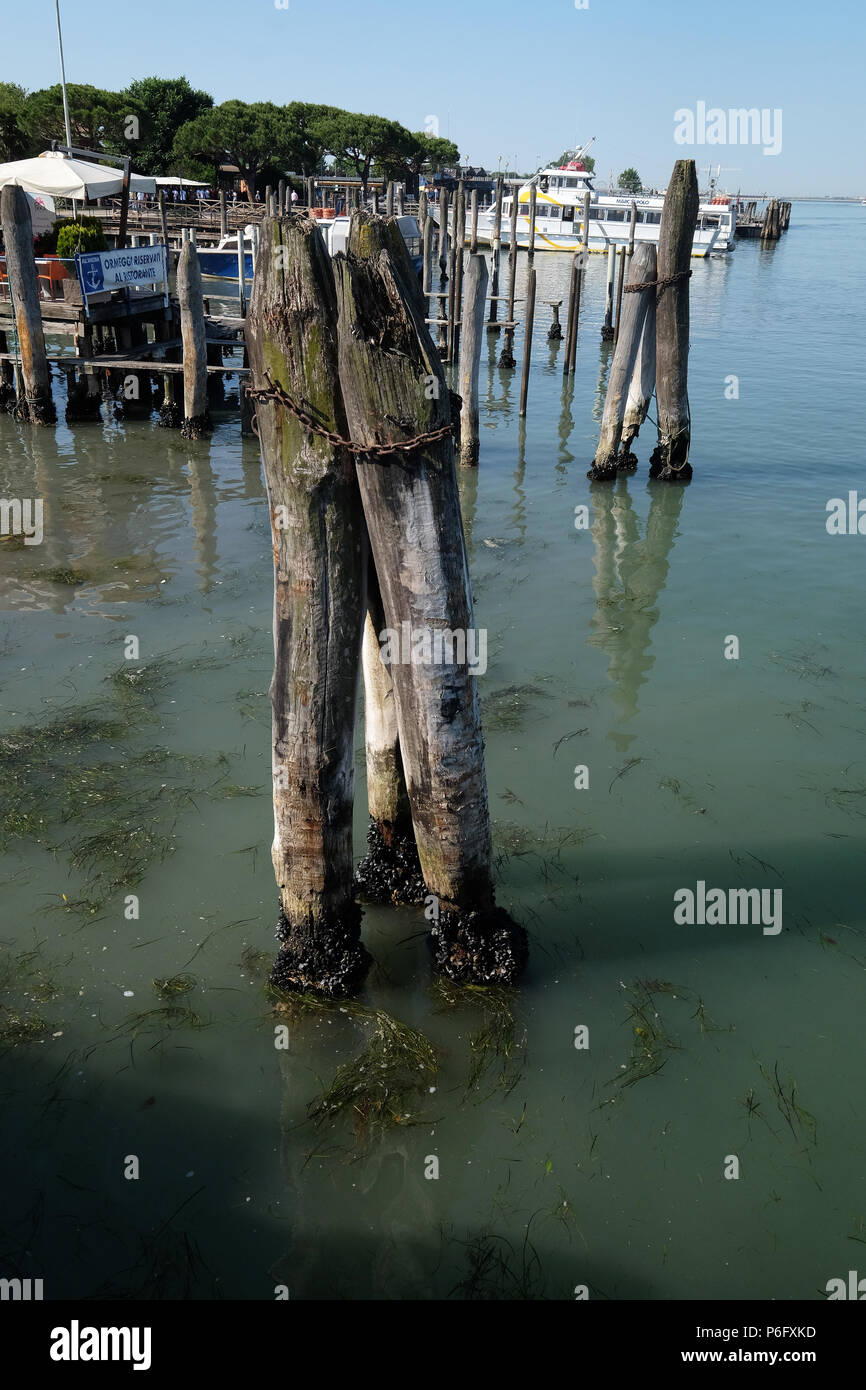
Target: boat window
(615, 215)
(554, 183)
(568, 214)
(554, 212)
(653, 217)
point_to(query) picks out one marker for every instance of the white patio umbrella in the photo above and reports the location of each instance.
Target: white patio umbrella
(58, 176)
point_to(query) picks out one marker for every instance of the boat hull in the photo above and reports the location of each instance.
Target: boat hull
(223, 265)
(708, 240)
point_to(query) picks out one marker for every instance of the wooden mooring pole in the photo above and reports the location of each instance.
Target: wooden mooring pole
(35, 402)
(415, 526)
(643, 380)
(669, 461)
(641, 273)
(607, 325)
(319, 609)
(527, 340)
(470, 357)
(492, 325)
(506, 357)
(196, 419)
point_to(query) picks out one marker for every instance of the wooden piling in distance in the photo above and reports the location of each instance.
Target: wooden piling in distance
(632, 223)
(427, 254)
(196, 419)
(473, 222)
(311, 193)
(415, 526)
(527, 340)
(493, 326)
(389, 199)
(443, 233)
(319, 606)
(163, 219)
(460, 240)
(607, 325)
(242, 273)
(224, 226)
(470, 358)
(35, 403)
(423, 207)
(572, 311)
(533, 196)
(281, 198)
(679, 217)
(506, 357)
(634, 311)
(400, 200)
(620, 282)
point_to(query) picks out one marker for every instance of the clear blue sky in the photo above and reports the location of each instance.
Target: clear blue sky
(521, 79)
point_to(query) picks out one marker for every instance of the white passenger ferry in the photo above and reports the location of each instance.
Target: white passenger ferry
(560, 198)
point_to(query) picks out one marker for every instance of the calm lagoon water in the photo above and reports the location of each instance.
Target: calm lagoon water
(559, 1165)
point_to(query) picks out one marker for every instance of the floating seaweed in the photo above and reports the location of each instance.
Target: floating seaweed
(496, 1042)
(395, 1065)
(175, 986)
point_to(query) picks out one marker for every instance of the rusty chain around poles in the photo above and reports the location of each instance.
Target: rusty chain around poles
(271, 392)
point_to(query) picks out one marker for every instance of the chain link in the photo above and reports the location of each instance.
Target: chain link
(658, 284)
(272, 392)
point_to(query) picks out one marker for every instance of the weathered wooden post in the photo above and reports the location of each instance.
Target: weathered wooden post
(319, 605)
(242, 274)
(492, 325)
(643, 379)
(443, 233)
(571, 312)
(676, 235)
(311, 193)
(35, 402)
(470, 358)
(224, 226)
(281, 197)
(7, 379)
(620, 282)
(389, 199)
(458, 284)
(533, 196)
(554, 332)
(163, 219)
(527, 340)
(473, 222)
(423, 209)
(400, 196)
(641, 287)
(427, 254)
(632, 223)
(506, 357)
(196, 420)
(412, 508)
(607, 325)
(390, 871)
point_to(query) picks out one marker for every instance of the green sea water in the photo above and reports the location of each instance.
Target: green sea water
(559, 1165)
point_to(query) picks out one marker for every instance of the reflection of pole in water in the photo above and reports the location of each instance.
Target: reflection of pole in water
(202, 496)
(629, 576)
(566, 425)
(519, 510)
(605, 359)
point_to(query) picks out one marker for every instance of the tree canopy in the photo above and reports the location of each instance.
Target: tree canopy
(169, 127)
(629, 181)
(161, 106)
